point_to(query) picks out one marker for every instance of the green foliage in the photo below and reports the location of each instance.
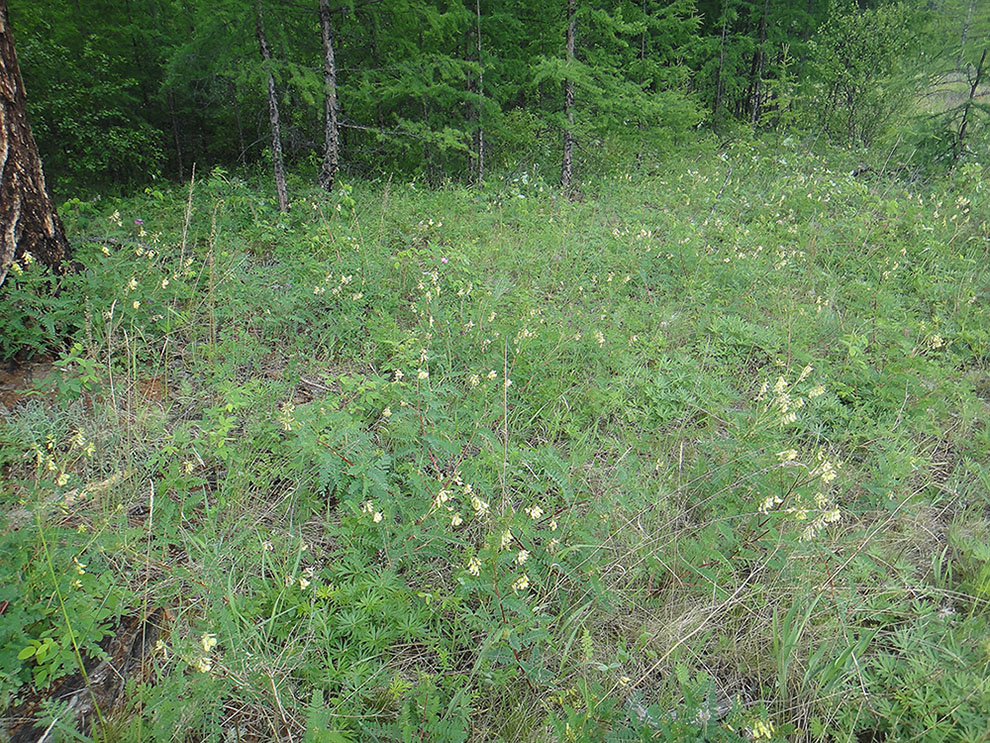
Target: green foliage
(698, 456)
(858, 84)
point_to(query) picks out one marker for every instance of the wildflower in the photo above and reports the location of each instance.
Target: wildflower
(816, 391)
(90, 448)
(534, 512)
(398, 375)
(162, 648)
(80, 567)
(787, 455)
(600, 337)
(521, 583)
(480, 507)
(139, 222)
(164, 283)
(105, 250)
(368, 507)
(506, 538)
(135, 304)
(444, 259)
(456, 520)
(507, 383)
(62, 479)
(132, 284)
(553, 524)
(387, 413)
(492, 374)
(768, 503)
(522, 556)
(473, 380)
(829, 472)
(762, 729)
(187, 467)
(209, 641)
(474, 566)
(377, 518)
(422, 374)
(203, 665)
(624, 680)
(553, 544)
(303, 583)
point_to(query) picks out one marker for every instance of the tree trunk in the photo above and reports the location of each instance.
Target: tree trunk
(29, 222)
(331, 132)
(278, 164)
(567, 164)
(720, 75)
(759, 60)
(961, 140)
(480, 134)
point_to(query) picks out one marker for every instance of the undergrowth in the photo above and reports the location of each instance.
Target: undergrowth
(700, 455)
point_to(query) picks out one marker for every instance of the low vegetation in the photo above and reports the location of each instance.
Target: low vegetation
(700, 454)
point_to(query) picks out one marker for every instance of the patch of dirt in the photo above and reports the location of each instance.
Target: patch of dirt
(17, 377)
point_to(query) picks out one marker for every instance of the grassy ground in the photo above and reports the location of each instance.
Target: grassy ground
(700, 455)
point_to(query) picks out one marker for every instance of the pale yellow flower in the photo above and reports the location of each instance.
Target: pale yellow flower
(474, 566)
(521, 583)
(522, 556)
(208, 641)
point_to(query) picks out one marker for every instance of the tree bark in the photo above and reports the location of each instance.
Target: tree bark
(567, 164)
(480, 134)
(29, 222)
(331, 131)
(278, 163)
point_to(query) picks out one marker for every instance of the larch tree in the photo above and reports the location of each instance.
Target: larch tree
(331, 129)
(567, 161)
(29, 223)
(274, 119)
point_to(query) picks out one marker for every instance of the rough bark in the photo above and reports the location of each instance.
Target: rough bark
(567, 164)
(278, 162)
(331, 131)
(29, 222)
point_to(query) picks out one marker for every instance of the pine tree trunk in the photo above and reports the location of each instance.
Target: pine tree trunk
(278, 163)
(29, 222)
(567, 164)
(331, 132)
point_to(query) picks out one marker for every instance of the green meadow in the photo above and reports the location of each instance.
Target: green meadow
(699, 454)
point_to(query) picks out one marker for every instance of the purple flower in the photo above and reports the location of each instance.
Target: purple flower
(139, 222)
(444, 259)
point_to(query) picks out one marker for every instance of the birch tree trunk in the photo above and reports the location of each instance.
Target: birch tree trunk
(29, 222)
(567, 164)
(278, 163)
(331, 131)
